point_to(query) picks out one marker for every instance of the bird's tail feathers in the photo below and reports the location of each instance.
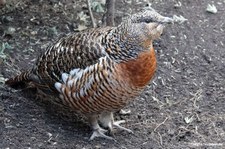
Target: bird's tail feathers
(20, 80)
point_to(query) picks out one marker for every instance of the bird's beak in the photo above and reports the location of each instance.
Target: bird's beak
(165, 20)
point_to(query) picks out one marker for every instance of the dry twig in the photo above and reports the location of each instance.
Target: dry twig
(110, 6)
(160, 139)
(91, 14)
(160, 124)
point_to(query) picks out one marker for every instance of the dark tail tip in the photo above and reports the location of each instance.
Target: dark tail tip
(19, 81)
(15, 84)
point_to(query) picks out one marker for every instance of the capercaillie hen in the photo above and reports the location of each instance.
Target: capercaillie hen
(98, 71)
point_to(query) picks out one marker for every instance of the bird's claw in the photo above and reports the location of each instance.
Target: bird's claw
(117, 124)
(100, 133)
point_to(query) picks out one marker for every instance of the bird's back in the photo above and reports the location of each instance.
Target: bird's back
(77, 50)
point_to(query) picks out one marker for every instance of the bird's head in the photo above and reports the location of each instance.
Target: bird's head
(136, 34)
(144, 27)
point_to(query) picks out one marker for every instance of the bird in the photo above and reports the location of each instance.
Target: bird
(99, 71)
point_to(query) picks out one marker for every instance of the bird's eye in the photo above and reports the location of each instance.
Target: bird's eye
(148, 20)
(143, 20)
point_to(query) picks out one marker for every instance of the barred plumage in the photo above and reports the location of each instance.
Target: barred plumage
(98, 71)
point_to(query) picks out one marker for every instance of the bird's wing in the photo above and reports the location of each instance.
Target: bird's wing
(80, 50)
(83, 89)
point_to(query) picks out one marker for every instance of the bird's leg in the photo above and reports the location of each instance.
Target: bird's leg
(97, 130)
(107, 120)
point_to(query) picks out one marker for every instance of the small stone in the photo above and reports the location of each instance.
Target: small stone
(10, 30)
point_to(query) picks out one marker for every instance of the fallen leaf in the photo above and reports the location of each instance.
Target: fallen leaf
(180, 19)
(211, 8)
(81, 27)
(83, 17)
(189, 120)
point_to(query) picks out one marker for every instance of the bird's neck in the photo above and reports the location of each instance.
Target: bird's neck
(121, 48)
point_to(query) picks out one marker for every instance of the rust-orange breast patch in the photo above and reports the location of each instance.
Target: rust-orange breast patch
(141, 70)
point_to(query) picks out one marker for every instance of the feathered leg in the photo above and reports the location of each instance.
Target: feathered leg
(107, 120)
(97, 130)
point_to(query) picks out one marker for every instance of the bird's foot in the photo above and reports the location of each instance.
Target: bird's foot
(124, 112)
(99, 132)
(117, 124)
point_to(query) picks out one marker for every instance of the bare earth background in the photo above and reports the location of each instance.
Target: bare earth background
(184, 106)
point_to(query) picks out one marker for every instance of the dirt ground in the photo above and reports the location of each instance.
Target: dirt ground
(184, 106)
